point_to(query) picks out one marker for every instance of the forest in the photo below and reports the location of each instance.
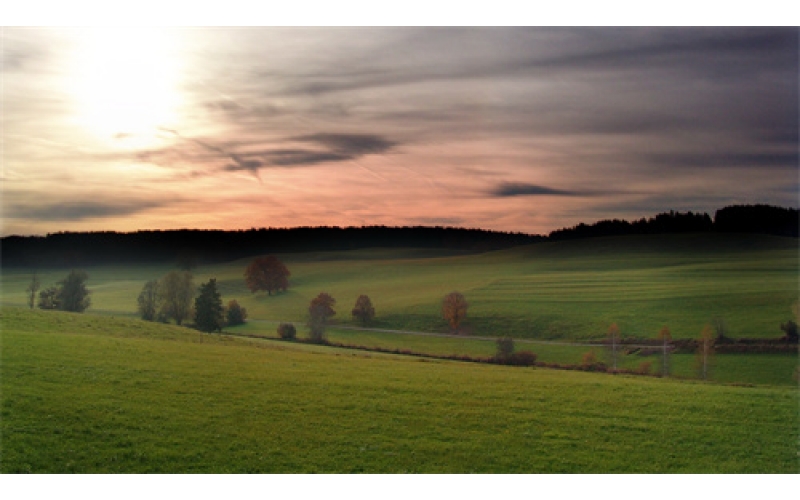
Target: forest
(189, 247)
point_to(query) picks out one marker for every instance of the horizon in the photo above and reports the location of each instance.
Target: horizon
(521, 130)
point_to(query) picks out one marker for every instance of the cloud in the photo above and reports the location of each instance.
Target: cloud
(77, 210)
(509, 189)
(330, 148)
(350, 144)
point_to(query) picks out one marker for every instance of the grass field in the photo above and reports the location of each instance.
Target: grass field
(558, 290)
(83, 393)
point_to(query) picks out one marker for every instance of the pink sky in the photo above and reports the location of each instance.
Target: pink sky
(509, 129)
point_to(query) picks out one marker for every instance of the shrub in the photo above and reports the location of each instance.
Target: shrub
(790, 329)
(287, 331)
(522, 358)
(644, 368)
(235, 314)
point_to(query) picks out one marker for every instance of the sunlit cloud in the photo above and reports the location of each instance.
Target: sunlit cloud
(523, 129)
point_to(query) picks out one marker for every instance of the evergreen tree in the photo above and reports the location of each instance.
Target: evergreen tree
(210, 314)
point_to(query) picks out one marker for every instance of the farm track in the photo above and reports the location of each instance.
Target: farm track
(462, 337)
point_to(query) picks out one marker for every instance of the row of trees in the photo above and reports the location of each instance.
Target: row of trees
(175, 297)
(69, 294)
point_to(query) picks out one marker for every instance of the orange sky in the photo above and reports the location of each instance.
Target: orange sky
(510, 129)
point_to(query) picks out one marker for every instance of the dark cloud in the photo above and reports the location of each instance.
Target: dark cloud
(722, 160)
(509, 189)
(77, 210)
(350, 144)
(332, 148)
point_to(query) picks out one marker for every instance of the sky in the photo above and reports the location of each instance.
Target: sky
(511, 129)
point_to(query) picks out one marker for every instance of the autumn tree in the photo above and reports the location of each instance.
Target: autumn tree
(72, 293)
(705, 351)
(319, 311)
(454, 309)
(666, 337)
(209, 312)
(32, 289)
(148, 301)
(267, 273)
(613, 343)
(235, 314)
(363, 309)
(176, 291)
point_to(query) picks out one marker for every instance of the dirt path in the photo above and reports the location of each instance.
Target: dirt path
(464, 337)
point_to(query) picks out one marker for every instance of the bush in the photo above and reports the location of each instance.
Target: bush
(522, 358)
(644, 368)
(287, 331)
(235, 314)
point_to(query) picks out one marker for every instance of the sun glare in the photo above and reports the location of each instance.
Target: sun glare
(126, 84)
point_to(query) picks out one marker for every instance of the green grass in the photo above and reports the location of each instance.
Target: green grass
(750, 368)
(561, 290)
(83, 393)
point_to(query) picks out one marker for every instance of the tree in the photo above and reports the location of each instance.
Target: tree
(505, 348)
(287, 331)
(720, 329)
(235, 314)
(176, 291)
(665, 336)
(32, 289)
(267, 273)
(148, 301)
(363, 309)
(790, 329)
(320, 309)
(72, 293)
(454, 309)
(705, 351)
(209, 312)
(613, 342)
(48, 298)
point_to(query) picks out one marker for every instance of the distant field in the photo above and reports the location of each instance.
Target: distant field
(557, 290)
(81, 393)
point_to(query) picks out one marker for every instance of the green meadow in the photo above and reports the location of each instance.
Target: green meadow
(571, 290)
(86, 393)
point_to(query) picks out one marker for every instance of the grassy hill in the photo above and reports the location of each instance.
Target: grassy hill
(83, 393)
(554, 290)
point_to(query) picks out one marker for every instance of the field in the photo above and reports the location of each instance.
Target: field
(549, 291)
(84, 393)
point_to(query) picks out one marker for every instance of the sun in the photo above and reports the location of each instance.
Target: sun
(125, 83)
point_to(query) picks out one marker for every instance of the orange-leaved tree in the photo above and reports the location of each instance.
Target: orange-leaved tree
(267, 273)
(320, 309)
(454, 309)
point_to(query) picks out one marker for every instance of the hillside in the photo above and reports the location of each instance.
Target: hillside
(98, 395)
(554, 290)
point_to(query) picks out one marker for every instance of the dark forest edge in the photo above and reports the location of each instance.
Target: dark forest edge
(189, 247)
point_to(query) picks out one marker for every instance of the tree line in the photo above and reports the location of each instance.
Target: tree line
(187, 248)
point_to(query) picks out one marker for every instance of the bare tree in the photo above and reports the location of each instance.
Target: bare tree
(665, 336)
(32, 289)
(705, 351)
(148, 301)
(613, 340)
